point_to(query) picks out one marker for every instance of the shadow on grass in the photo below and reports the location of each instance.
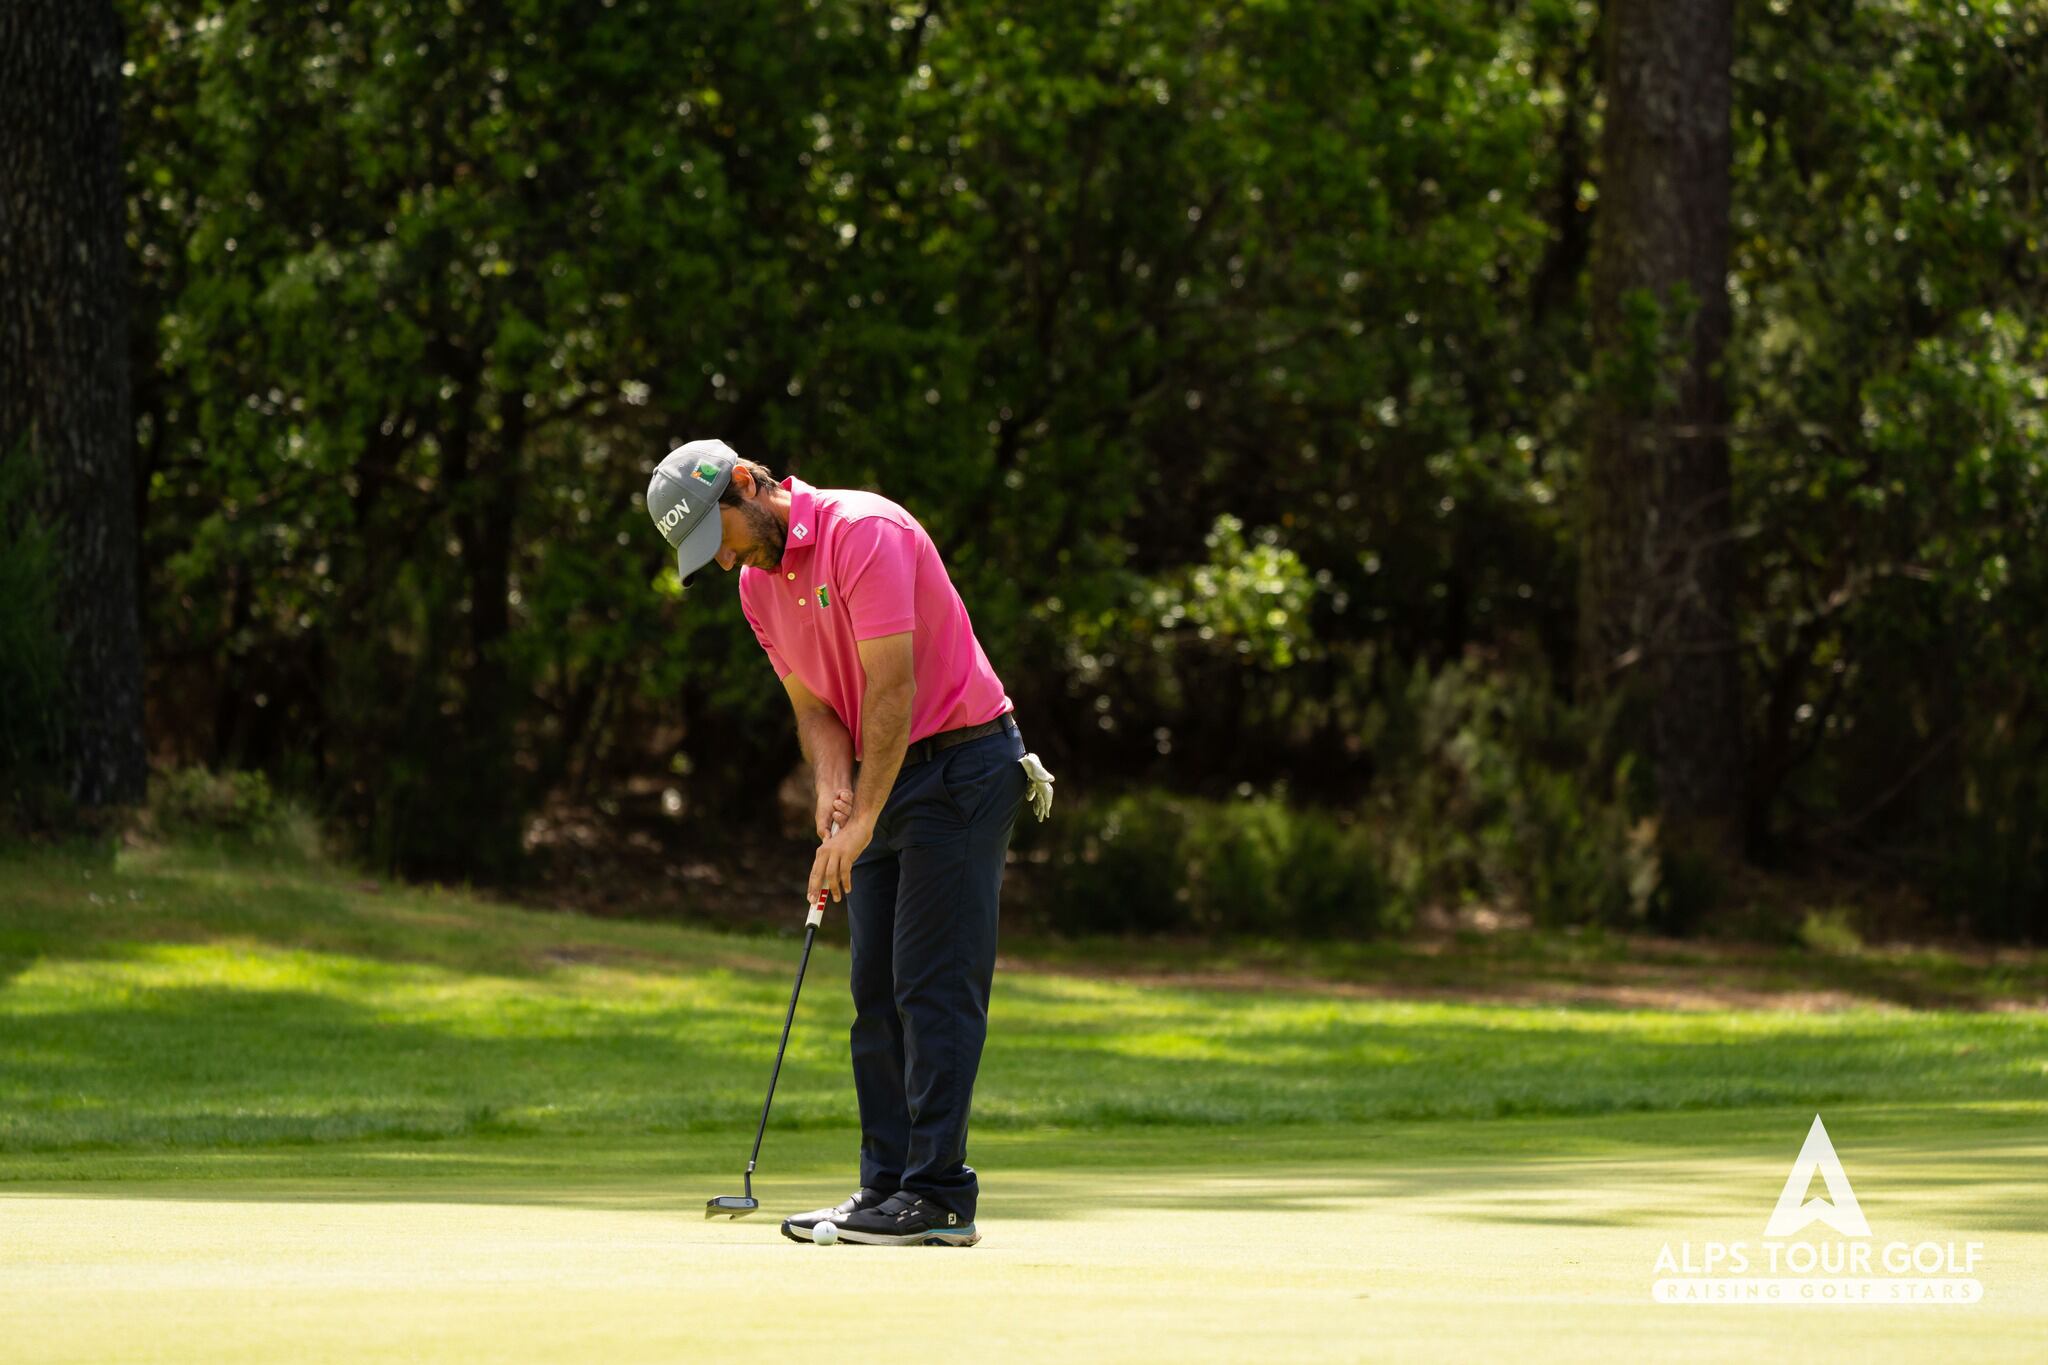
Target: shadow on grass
(1991, 1180)
(51, 911)
(204, 1066)
(1545, 966)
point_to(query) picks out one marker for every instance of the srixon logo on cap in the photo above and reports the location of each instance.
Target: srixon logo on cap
(673, 515)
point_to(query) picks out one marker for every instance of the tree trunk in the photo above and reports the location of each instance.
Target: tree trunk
(1656, 591)
(64, 395)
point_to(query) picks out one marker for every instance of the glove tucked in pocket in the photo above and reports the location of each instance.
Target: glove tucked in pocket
(1040, 795)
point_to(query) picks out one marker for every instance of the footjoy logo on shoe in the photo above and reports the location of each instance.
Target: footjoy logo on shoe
(1848, 1268)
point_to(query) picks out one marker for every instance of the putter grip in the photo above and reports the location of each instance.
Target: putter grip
(816, 914)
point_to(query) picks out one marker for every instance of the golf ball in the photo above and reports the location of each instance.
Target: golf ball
(824, 1234)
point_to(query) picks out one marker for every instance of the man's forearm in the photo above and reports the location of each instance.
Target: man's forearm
(884, 735)
(828, 748)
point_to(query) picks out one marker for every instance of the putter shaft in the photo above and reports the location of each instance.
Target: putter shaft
(746, 1204)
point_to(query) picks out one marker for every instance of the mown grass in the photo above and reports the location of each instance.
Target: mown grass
(1533, 1239)
(179, 999)
(1581, 964)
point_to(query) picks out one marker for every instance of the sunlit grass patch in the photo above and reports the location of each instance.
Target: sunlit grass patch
(175, 1000)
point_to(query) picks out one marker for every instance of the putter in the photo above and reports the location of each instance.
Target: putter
(740, 1205)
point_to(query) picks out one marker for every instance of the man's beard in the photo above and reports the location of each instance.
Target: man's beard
(770, 535)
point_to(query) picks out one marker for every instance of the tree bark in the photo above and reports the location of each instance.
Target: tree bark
(64, 395)
(1657, 579)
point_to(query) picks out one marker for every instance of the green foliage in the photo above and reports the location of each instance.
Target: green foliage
(1890, 370)
(1235, 357)
(1237, 622)
(1151, 862)
(433, 288)
(1494, 791)
(1251, 598)
(1647, 365)
(190, 800)
(1830, 931)
(234, 809)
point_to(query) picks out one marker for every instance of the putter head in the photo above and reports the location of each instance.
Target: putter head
(731, 1206)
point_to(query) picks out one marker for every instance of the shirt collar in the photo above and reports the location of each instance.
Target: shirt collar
(803, 517)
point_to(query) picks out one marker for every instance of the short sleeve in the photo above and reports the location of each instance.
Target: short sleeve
(781, 664)
(875, 561)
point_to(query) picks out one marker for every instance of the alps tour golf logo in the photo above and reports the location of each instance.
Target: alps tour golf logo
(1791, 1267)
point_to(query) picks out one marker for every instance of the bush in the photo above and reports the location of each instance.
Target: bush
(236, 808)
(1118, 867)
(1488, 789)
(193, 800)
(1831, 931)
(1494, 789)
(1154, 862)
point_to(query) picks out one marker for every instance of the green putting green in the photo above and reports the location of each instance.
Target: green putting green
(1532, 1239)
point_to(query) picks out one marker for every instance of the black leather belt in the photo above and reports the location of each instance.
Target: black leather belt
(931, 745)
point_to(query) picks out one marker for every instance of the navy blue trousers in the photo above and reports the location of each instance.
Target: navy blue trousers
(922, 913)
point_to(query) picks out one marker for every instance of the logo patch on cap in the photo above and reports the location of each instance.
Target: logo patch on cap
(706, 471)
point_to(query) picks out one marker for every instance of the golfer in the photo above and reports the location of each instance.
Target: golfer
(849, 598)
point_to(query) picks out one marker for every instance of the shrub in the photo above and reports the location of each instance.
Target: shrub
(1155, 862)
(1118, 867)
(193, 800)
(237, 808)
(1831, 931)
(1488, 789)
(1492, 788)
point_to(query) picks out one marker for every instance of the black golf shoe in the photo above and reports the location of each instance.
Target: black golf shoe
(797, 1227)
(904, 1220)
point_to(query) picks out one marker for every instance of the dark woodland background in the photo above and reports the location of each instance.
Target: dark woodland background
(1584, 459)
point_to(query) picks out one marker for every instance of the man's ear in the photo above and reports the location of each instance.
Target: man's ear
(743, 480)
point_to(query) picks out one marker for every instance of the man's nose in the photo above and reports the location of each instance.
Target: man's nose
(725, 559)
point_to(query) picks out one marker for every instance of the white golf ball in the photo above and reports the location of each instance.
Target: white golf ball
(824, 1234)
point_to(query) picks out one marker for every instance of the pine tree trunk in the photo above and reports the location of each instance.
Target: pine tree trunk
(64, 363)
(1656, 591)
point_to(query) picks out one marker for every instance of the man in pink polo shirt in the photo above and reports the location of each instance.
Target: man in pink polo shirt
(851, 601)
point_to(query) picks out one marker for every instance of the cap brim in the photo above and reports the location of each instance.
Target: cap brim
(699, 547)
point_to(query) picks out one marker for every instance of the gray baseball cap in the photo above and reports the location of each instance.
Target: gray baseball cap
(682, 497)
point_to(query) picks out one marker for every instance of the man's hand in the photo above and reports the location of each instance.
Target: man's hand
(832, 869)
(835, 809)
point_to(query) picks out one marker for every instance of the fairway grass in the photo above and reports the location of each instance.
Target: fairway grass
(258, 1112)
(173, 1001)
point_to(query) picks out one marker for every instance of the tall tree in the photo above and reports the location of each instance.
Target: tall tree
(1656, 591)
(63, 363)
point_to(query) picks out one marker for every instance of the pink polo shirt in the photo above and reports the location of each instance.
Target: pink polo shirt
(856, 567)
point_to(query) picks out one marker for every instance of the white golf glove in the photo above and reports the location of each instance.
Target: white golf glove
(1041, 785)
